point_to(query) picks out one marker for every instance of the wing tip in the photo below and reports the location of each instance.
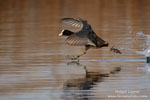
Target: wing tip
(74, 18)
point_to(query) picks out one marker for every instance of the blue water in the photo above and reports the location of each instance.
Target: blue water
(124, 60)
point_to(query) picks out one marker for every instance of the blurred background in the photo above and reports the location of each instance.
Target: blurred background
(33, 63)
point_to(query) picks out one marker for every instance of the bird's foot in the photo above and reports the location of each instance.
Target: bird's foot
(76, 57)
(115, 50)
(73, 57)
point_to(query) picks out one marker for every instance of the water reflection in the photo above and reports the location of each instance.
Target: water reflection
(81, 88)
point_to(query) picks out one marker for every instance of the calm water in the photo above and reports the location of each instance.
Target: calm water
(33, 64)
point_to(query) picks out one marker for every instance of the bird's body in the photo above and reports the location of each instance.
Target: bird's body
(84, 37)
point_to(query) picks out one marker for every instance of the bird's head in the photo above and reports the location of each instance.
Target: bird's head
(65, 33)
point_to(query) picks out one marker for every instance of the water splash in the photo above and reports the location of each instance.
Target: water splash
(146, 52)
(145, 68)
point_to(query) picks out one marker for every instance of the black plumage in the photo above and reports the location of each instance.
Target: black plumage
(84, 37)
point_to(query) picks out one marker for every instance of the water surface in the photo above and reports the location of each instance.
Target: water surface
(33, 63)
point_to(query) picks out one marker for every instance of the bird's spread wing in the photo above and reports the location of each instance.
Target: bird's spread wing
(78, 40)
(72, 22)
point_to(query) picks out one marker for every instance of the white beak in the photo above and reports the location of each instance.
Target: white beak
(60, 34)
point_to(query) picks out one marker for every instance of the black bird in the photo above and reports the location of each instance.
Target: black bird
(84, 37)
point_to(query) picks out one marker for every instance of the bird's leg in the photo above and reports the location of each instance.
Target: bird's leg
(78, 56)
(86, 48)
(112, 48)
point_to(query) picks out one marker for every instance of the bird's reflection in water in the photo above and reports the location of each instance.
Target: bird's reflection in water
(81, 88)
(74, 62)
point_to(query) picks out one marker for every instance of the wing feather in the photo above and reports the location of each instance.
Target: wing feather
(76, 40)
(74, 22)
